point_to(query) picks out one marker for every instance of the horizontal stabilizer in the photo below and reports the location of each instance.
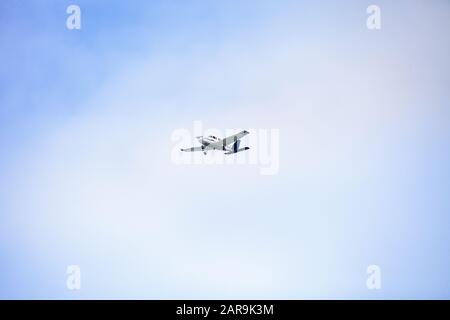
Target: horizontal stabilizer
(239, 150)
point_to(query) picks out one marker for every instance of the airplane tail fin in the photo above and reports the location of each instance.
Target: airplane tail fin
(235, 146)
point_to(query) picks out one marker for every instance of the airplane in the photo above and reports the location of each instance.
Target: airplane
(214, 143)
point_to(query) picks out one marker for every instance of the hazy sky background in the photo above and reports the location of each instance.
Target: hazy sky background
(86, 177)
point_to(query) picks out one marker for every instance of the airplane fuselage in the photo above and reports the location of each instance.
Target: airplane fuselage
(210, 143)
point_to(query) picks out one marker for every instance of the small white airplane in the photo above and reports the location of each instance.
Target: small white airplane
(214, 143)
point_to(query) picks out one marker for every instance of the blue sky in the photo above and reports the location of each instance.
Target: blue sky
(86, 177)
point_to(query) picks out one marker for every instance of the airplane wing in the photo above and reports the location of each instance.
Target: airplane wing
(193, 149)
(232, 139)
